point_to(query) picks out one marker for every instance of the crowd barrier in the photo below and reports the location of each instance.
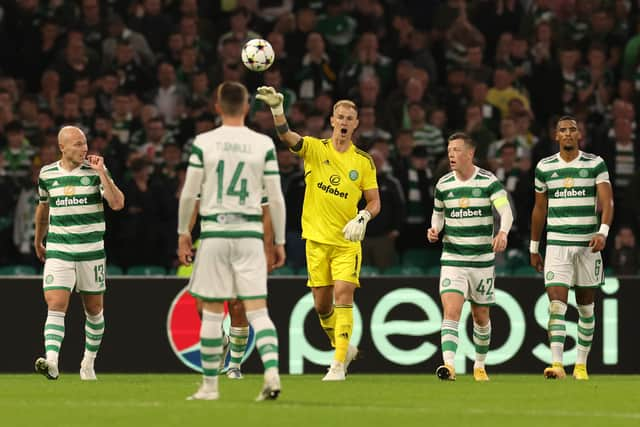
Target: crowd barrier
(152, 326)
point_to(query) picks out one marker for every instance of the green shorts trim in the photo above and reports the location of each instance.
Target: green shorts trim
(56, 288)
(452, 290)
(92, 292)
(489, 304)
(562, 285)
(242, 297)
(206, 299)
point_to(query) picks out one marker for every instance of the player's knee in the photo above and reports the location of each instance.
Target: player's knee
(585, 310)
(557, 307)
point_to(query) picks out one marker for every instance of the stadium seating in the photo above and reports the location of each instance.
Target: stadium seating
(147, 270)
(17, 270)
(433, 271)
(404, 270)
(369, 271)
(114, 270)
(421, 257)
(525, 271)
(283, 271)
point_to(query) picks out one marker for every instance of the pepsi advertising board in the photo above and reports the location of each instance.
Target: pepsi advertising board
(152, 325)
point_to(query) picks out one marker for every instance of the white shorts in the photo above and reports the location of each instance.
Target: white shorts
(87, 277)
(225, 269)
(571, 266)
(475, 284)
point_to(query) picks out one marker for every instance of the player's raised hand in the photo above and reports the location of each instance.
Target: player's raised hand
(536, 262)
(355, 229)
(500, 242)
(185, 251)
(95, 162)
(597, 242)
(432, 235)
(269, 96)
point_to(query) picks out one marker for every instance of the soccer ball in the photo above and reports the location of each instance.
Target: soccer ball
(257, 55)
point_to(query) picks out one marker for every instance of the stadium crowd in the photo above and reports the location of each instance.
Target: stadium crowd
(138, 76)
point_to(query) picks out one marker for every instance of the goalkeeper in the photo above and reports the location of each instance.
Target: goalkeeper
(337, 175)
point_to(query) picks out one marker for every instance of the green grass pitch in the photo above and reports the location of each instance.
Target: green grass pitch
(363, 400)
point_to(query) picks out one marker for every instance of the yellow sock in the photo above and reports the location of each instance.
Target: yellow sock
(328, 323)
(344, 326)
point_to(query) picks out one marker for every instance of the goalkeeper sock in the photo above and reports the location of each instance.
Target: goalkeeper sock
(211, 345)
(586, 324)
(557, 329)
(238, 337)
(481, 340)
(344, 327)
(328, 323)
(93, 331)
(449, 341)
(266, 338)
(53, 334)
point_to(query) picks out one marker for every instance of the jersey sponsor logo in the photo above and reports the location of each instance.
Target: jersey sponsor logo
(463, 202)
(353, 175)
(72, 201)
(334, 179)
(183, 331)
(465, 213)
(568, 182)
(570, 193)
(332, 190)
(69, 190)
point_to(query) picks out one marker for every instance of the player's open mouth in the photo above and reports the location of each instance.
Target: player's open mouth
(343, 131)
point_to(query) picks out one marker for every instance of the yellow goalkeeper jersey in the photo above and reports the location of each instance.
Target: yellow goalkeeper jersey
(334, 185)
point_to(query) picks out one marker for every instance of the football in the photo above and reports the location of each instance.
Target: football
(257, 55)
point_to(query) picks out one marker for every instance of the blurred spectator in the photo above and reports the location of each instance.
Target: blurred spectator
(366, 61)
(625, 258)
(316, 74)
(23, 223)
(296, 40)
(17, 155)
(503, 91)
(475, 68)
(419, 199)
(596, 81)
(425, 134)
(338, 29)
(476, 127)
(378, 247)
(150, 21)
(509, 134)
(118, 31)
(169, 93)
(139, 234)
(239, 22)
(367, 132)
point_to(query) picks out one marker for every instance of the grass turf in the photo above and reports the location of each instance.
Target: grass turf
(363, 400)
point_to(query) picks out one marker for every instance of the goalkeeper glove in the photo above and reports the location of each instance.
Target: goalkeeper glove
(273, 99)
(355, 229)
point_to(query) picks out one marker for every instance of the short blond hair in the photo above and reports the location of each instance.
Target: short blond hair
(346, 103)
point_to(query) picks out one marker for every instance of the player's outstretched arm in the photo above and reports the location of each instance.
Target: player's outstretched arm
(538, 217)
(605, 201)
(274, 100)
